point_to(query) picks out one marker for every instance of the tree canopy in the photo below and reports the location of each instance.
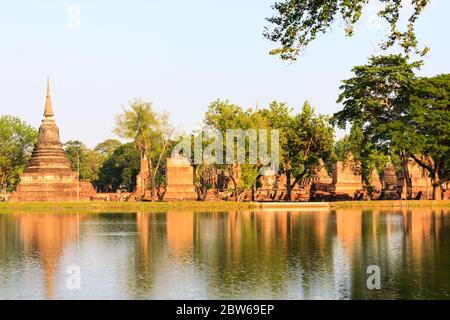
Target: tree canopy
(119, 170)
(17, 141)
(304, 138)
(296, 23)
(81, 158)
(391, 111)
(150, 132)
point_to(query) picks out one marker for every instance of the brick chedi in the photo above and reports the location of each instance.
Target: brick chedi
(179, 180)
(48, 176)
(390, 184)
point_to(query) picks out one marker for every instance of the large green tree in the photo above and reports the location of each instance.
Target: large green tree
(222, 116)
(298, 22)
(429, 117)
(304, 138)
(106, 148)
(150, 132)
(310, 138)
(119, 170)
(376, 105)
(84, 160)
(17, 139)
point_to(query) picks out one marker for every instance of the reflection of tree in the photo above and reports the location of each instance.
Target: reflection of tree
(410, 246)
(9, 251)
(149, 251)
(251, 254)
(259, 250)
(312, 250)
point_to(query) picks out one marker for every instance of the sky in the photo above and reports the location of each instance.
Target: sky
(179, 55)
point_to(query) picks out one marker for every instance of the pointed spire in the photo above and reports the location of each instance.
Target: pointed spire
(48, 102)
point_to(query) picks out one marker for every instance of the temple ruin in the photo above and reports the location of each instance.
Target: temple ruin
(179, 180)
(49, 176)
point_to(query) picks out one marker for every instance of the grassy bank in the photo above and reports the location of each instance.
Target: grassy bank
(102, 206)
(111, 207)
(393, 204)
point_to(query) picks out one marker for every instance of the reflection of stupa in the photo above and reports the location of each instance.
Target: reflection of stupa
(48, 176)
(48, 235)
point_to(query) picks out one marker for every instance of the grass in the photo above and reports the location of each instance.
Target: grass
(393, 204)
(102, 206)
(124, 207)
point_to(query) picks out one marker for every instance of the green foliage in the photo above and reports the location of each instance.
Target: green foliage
(17, 141)
(310, 138)
(430, 115)
(304, 137)
(376, 101)
(119, 170)
(151, 134)
(298, 22)
(430, 120)
(106, 148)
(394, 113)
(362, 156)
(84, 160)
(222, 115)
(138, 124)
(376, 105)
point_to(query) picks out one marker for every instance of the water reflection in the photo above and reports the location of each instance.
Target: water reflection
(292, 255)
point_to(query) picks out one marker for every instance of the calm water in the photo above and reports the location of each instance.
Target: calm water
(268, 255)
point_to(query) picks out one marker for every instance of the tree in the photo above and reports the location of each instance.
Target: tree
(106, 148)
(298, 22)
(222, 116)
(304, 139)
(310, 138)
(17, 141)
(151, 133)
(84, 160)
(430, 119)
(119, 170)
(376, 104)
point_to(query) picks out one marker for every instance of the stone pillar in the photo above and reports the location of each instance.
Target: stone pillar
(142, 177)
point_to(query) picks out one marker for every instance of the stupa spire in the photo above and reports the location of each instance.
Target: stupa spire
(48, 112)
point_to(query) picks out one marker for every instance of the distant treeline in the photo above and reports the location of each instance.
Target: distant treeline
(390, 114)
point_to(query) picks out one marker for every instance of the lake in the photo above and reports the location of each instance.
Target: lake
(309, 254)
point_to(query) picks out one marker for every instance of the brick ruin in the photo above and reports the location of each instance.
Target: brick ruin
(344, 183)
(421, 184)
(142, 179)
(48, 176)
(179, 180)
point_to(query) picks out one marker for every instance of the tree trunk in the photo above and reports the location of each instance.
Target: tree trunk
(152, 180)
(408, 182)
(435, 180)
(253, 191)
(288, 186)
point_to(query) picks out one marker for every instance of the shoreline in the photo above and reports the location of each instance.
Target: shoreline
(215, 206)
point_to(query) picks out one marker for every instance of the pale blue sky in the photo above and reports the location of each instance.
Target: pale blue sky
(181, 55)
